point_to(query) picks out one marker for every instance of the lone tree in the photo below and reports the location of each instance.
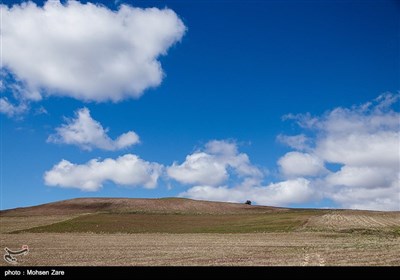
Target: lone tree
(248, 202)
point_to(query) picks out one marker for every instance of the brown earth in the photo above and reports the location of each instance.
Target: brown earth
(350, 219)
(136, 205)
(288, 236)
(160, 249)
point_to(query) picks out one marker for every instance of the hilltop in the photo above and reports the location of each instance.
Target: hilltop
(138, 205)
(182, 215)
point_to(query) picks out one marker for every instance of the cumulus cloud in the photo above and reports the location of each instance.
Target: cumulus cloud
(207, 170)
(210, 167)
(367, 198)
(379, 148)
(199, 168)
(301, 164)
(127, 170)
(87, 133)
(86, 51)
(276, 194)
(365, 177)
(364, 140)
(227, 153)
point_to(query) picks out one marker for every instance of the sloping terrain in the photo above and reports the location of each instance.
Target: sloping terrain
(349, 219)
(180, 223)
(167, 215)
(136, 205)
(180, 215)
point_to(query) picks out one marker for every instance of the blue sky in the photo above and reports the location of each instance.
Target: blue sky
(286, 103)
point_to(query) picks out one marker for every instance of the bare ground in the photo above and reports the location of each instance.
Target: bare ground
(9, 224)
(349, 219)
(137, 205)
(330, 237)
(254, 249)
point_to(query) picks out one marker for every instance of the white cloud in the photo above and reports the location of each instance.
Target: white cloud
(87, 133)
(299, 142)
(383, 199)
(369, 117)
(365, 177)
(87, 51)
(199, 168)
(380, 148)
(11, 110)
(221, 147)
(295, 164)
(365, 140)
(207, 170)
(16, 104)
(210, 167)
(127, 170)
(279, 194)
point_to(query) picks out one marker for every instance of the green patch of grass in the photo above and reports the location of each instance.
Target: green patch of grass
(182, 223)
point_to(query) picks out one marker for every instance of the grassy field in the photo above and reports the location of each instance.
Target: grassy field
(187, 232)
(181, 223)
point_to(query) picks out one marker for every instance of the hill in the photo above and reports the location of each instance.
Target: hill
(137, 205)
(181, 215)
(178, 231)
